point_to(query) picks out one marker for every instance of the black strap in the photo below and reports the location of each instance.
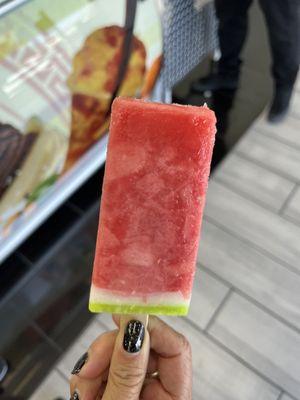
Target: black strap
(126, 46)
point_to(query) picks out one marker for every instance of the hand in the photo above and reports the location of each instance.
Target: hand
(120, 364)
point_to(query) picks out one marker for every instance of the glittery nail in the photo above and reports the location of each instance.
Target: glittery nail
(134, 336)
(80, 363)
(75, 396)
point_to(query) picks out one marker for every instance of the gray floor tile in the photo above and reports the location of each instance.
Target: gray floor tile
(295, 105)
(106, 320)
(208, 294)
(53, 386)
(265, 343)
(252, 272)
(219, 376)
(254, 223)
(288, 130)
(67, 362)
(293, 207)
(254, 181)
(282, 158)
(286, 397)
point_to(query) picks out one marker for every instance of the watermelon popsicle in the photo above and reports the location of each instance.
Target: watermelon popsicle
(156, 175)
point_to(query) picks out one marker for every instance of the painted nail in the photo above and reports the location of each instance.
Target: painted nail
(134, 336)
(75, 396)
(80, 363)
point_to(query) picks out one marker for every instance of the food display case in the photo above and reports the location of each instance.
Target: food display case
(61, 65)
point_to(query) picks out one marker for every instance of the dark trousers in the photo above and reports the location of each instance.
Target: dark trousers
(283, 23)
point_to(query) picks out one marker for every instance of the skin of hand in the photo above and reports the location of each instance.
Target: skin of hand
(115, 369)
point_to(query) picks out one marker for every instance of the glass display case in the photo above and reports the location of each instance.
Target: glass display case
(61, 65)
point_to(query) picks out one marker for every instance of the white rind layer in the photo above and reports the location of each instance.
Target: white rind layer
(104, 296)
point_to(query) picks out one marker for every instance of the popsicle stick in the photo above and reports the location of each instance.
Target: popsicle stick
(125, 318)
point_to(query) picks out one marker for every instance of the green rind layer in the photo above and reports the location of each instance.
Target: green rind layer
(137, 309)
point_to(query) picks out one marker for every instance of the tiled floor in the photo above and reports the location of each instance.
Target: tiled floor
(244, 322)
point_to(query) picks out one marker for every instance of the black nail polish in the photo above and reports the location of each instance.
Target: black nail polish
(80, 363)
(134, 336)
(75, 396)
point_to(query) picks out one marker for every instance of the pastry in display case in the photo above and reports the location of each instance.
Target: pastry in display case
(31, 162)
(93, 82)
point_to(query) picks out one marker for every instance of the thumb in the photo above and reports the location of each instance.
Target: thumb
(129, 360)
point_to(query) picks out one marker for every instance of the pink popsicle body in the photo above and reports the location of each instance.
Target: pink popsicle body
(156, 176)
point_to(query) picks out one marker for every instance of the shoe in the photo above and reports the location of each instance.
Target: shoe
(280, 105)
(214, 82)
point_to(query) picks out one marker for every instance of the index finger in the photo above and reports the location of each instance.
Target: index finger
(174, 361)
(174, 358)
(165, 341)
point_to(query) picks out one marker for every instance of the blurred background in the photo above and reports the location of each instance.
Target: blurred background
(61, 65)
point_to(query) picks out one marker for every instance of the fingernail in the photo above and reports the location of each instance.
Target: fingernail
(75, 396)
(134, 336)
(80, 363)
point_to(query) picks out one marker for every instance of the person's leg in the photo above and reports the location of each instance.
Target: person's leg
(283, 21)
(233, 26)
(232, 30)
